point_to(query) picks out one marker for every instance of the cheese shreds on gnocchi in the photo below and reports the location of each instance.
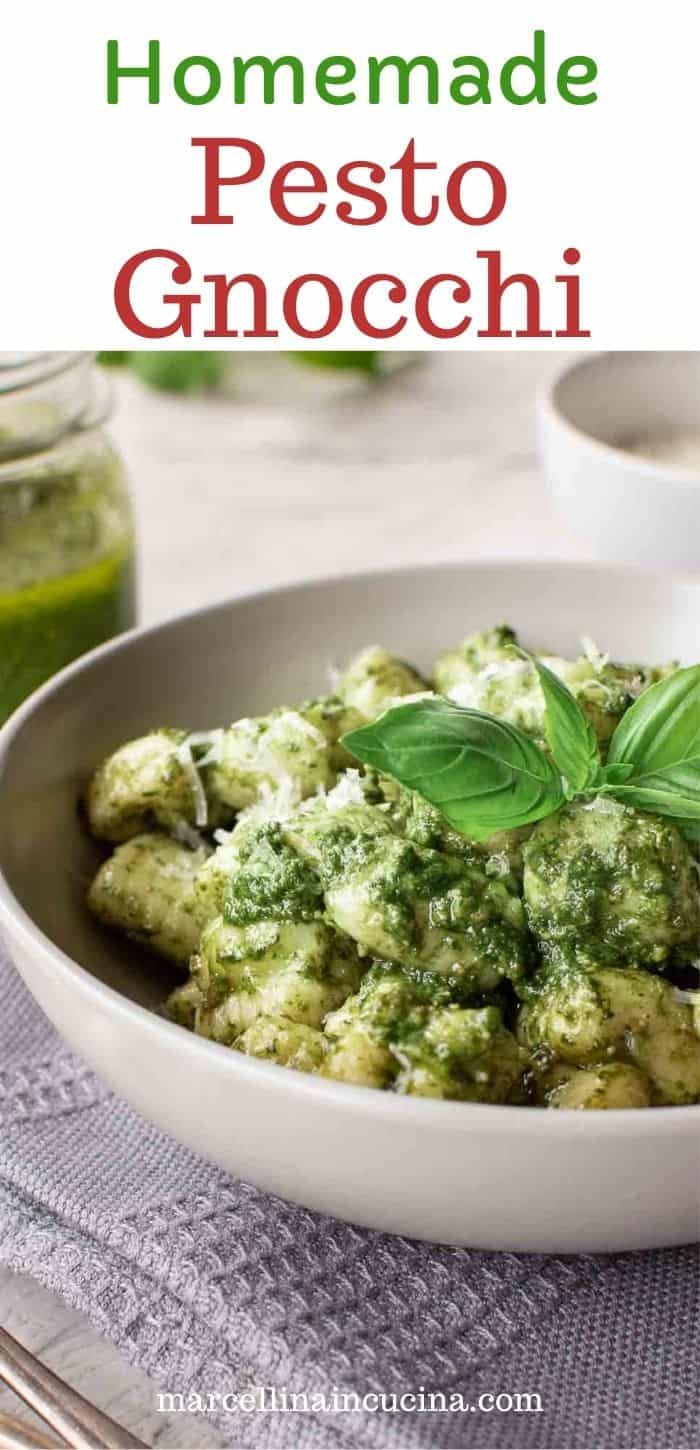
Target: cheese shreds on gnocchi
(329, 919)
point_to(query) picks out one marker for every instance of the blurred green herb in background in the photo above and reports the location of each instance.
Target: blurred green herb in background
(361, 362)
(191, 372)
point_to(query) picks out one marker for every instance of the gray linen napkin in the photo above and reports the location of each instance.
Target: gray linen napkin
(212, 1287)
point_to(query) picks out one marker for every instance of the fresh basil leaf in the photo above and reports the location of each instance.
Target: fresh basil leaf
(617, 774)
(663, 725)
(660, 737)
(363, 362)
(689, 829)
(483, 774)
(113, 359)
(657, 797)
(571, 737)
(179, 372)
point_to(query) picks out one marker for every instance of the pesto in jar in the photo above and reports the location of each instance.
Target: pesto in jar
(44, 627)
(66, 557)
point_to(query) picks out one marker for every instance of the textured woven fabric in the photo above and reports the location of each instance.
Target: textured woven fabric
(213, 1287)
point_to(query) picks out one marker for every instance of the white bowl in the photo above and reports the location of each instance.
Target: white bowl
(623, 506)
(489, 1177)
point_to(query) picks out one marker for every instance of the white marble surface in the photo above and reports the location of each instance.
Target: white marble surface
(433, 464)
(437, 463)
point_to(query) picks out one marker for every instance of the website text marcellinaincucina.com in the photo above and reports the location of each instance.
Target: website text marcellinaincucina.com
(269, 1399)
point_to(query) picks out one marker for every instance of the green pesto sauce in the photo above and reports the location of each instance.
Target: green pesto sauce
(45, 626)
(611, 889)
(272, 883)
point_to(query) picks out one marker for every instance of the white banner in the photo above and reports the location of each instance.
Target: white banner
(492, 175)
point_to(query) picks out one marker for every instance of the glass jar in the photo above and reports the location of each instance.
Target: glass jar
(66, 534)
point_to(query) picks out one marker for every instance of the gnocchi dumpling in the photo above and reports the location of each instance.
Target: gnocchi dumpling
(323, 917)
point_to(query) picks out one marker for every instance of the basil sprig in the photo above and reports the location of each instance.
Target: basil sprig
(485, 775)
(572, 739)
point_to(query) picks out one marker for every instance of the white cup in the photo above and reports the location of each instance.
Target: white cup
(622, 505)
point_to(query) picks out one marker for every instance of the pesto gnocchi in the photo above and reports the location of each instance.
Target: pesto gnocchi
(328, 919)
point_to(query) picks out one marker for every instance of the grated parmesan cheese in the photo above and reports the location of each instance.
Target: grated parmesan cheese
(348, 792)
(466, 694)
(271, 805)
(604, 805)
(214, 739)
(470, 693)
(302, 726)
(408, 699)
(201, 810)
(593, 654)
